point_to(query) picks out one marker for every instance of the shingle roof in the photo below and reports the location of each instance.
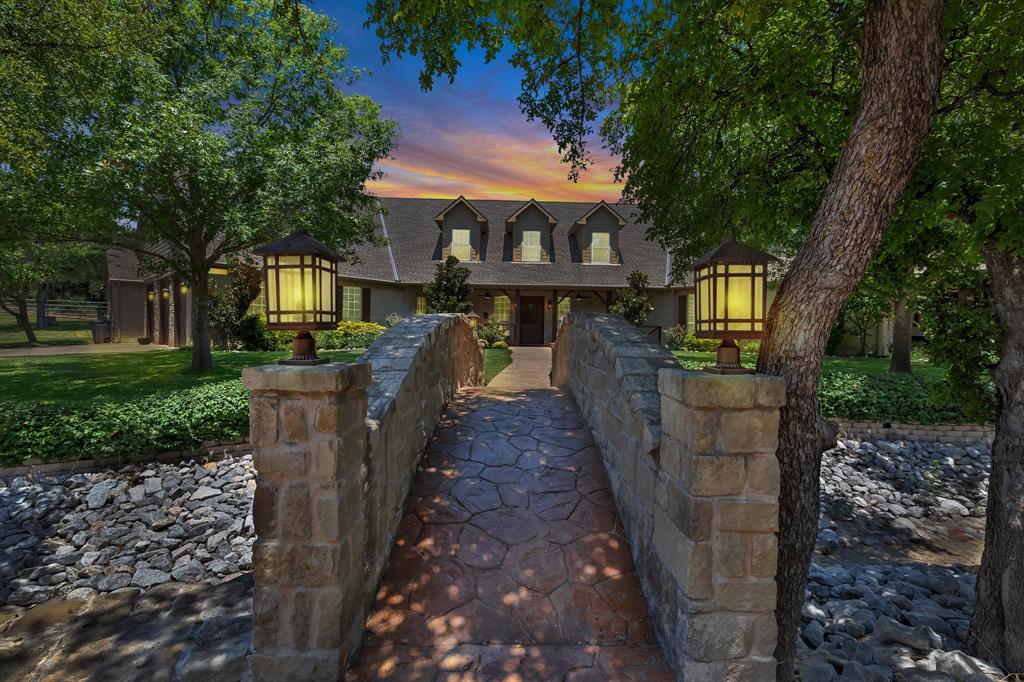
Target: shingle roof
(414, 243)
(123, 265)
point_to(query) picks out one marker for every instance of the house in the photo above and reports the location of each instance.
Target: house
(531, 262)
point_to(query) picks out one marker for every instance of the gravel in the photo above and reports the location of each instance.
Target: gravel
(141, 525)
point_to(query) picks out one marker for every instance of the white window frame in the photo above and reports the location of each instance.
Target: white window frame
(467, 245)
(532, 248)
(349, 294)
(606, 249)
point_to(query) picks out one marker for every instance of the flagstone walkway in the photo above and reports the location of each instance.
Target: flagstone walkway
(510, 563)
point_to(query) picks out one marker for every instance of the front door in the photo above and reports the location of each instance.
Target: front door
(531, 320)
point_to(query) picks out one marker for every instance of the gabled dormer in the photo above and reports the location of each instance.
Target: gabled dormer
(528, 232)
(596, 235)
(463, 231)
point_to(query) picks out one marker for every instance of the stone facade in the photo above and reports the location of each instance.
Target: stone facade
(335, 450)
(691, 459)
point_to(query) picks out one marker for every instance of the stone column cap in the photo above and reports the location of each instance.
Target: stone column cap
(730, 391)
(334, 377)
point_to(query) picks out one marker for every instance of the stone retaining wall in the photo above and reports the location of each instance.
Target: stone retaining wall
(960, 434)
(335, 450)
(691, 459)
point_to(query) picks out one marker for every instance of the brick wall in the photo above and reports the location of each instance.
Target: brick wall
(691, 459)
(335, 449)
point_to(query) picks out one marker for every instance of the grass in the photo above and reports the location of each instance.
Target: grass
(867, 366)
(495, 360)
(85, 379)
(66, 332)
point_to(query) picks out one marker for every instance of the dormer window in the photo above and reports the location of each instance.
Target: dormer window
(461, 245)
(531, 246)
(600, 248)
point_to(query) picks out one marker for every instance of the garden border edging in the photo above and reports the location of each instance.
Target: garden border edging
(208, 451)
(959, 434)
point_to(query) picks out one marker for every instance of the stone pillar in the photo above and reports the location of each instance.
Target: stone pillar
(715, 517)
(308, 431)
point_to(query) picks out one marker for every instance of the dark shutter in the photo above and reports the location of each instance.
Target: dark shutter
(366, 304)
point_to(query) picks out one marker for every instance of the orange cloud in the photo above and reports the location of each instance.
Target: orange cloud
(518, 162)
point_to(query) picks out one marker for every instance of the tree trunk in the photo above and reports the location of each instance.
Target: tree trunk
(23, 320)
(41, 307)
(202, 358)
(997, 629)
(901, 64)
(902, 332)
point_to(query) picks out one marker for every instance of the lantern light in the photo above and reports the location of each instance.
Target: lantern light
(150, 295)
(300, 277)
(474, 320)
(165, 293)
(732, 299)
(487, 294)
(183, 288)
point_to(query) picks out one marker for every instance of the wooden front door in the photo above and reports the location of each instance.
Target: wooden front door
(164, 297)
(531, 320)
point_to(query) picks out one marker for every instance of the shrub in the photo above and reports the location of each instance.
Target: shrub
(491, 334)
(182, 420)
(253, 335)
(885, 397)
(500, 344)
(349, 334)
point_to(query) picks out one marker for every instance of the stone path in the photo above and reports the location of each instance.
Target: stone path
(511, 563)
(530, 369)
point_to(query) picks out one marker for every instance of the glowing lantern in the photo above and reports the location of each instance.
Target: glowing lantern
(300, 279)
(732, 299)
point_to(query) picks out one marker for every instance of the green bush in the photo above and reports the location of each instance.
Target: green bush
(182, 420)
(349, 334)
(492, 334)
(253, 334)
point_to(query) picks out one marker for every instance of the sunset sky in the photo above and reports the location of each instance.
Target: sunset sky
(464, 138)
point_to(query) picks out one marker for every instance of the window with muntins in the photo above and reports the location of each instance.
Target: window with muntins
(460, 245)
(421, 305)
(502, 308)
(352, 303)
(600, 248)
(564, 306)
(531, 246)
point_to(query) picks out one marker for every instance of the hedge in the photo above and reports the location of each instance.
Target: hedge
(181, 420)
(881, 398)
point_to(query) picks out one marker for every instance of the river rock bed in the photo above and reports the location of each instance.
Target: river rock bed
(901, 482)
(888, 622)
(79, 534)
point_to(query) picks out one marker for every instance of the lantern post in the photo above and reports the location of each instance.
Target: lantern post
(300, 277)
(731, 282)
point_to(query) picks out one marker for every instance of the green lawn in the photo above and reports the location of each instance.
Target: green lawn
(495, 360)
(81, 379)
(867, 366)
(66, 332)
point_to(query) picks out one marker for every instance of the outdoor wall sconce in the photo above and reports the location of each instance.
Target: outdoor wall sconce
(165, 293)
(150, 295)
(487, 294)
(732, 296)
(183, 288)
(300, 276)
(550, 305)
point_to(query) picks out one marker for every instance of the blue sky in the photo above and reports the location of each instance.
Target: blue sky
(464, 138)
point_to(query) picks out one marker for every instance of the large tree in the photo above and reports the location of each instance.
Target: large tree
(742, 116)
(237, 131)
